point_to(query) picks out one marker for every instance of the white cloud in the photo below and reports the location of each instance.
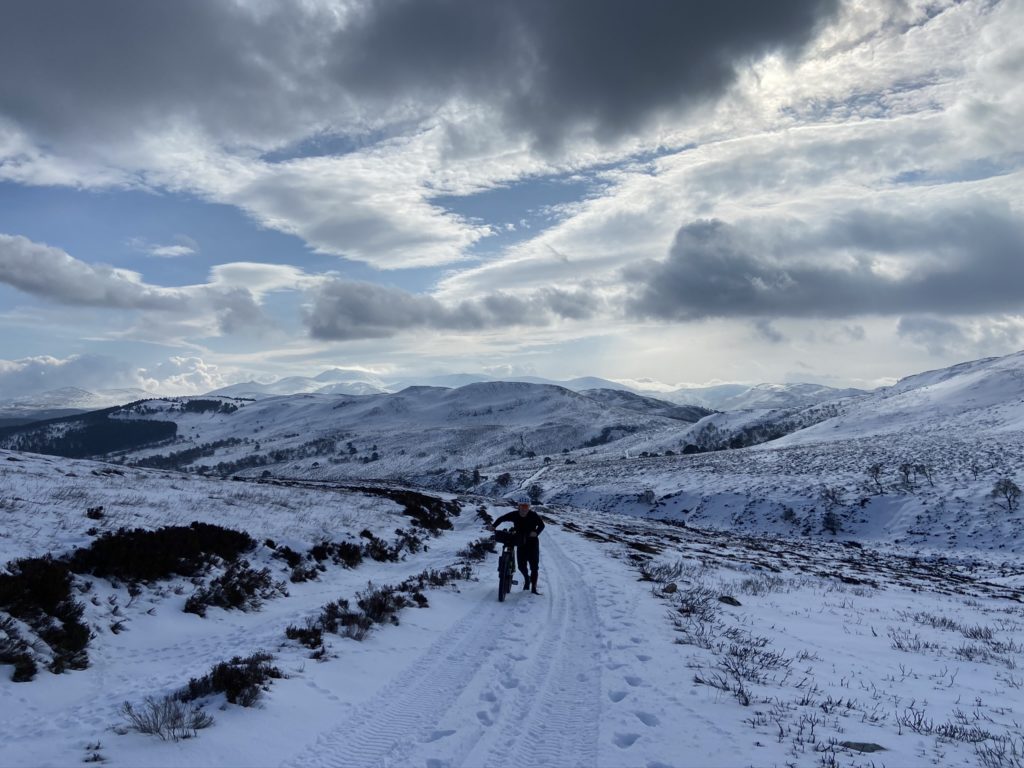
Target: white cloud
(182, 375)
(171, 251)
(229, 303)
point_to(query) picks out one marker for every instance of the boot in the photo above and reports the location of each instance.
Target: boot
(533, 584)
(526, 581)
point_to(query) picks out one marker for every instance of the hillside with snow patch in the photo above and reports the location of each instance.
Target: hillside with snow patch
(651, 644)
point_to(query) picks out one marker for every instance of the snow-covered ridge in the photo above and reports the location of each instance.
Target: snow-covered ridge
(72, 398)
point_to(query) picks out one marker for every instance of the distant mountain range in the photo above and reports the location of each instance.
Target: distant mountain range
(948, 430)
(347, 381)
(67, 401)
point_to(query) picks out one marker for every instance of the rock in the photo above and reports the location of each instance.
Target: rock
(728, 600)
(862, 746)
(670, 588)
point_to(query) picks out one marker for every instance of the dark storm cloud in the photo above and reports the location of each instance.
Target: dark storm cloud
(551, 67)
(347, 310)
(961, 261)
(92, 71)
(933, 333)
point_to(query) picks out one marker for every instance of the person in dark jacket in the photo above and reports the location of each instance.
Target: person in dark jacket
(528, 524)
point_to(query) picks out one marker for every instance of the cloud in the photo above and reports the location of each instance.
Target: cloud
(230, 301)
(933, 333)
(558, 69)
(963, 338)
(171, 251)
(177, 375)
(32, 375)
(768, 332)
(52, 274)
(961, 261)
(264, 73)
(181, 375)
(348, 310)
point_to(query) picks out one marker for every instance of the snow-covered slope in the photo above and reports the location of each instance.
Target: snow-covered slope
(294, 385)
(977, 398)
(412, 433)
(734, 397)
(73, 398)
(651, 644)
(631, 401)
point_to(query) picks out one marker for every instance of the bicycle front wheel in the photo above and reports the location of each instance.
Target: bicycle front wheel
(503, 579)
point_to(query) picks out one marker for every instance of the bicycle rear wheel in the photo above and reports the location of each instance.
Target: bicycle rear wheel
(503, 584)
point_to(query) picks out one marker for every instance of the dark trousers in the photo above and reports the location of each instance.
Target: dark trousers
(528, 555)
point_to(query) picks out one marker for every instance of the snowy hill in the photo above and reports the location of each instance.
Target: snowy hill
(67, 401)
(334, 629)
(73, 398)
(621, 398)
(735, 397)
(980, 398)
(913, 464)
(409, 434)
(355, 382)
(295, 385)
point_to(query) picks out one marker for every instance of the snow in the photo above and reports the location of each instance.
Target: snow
(593, 672)
(903, 629)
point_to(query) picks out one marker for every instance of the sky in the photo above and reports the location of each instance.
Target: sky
(194, 194)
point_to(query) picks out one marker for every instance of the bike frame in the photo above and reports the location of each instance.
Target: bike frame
(506, 563)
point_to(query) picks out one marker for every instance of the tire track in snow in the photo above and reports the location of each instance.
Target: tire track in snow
(383, 731)
(554, 708)
(534, 660)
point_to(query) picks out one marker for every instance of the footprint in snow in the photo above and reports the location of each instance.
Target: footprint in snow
(647, 719)
(510, 682)
(633, 680)
(643, 657)
(625, 740)
(616, 696)
(436, 735)
(488, 696)
(484, 718)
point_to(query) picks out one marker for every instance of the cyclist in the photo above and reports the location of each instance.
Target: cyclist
(528, 524)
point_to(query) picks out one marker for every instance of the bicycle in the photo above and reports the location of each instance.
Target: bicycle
(509, 540)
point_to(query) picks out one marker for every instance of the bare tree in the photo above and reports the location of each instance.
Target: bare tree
(832, 496)
(875, 473)
(1006, 493)
(908, 474)
(535, 493)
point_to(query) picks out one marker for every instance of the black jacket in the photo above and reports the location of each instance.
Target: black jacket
(526, 524)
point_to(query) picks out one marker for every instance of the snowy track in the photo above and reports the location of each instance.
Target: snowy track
(516, 683)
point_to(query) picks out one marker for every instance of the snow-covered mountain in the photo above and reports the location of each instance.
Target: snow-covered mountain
(715, 605)
(982, 397)
(939, 441)
(413, 433)
(736, 397)
(355, 382)
(58, 403)
(73, 398)
(631, 401)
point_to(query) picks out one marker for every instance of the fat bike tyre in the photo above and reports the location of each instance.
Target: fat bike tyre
(502, 579)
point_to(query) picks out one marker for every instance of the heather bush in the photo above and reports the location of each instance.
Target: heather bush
(240, 587)
(241, 680)
(166, 718)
